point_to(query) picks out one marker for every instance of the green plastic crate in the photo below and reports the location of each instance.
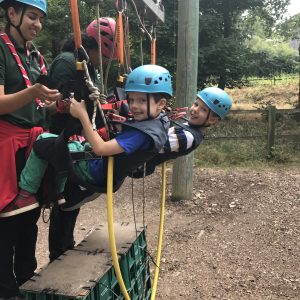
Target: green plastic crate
(86, 273)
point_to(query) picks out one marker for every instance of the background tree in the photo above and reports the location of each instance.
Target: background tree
(237, 38)
(290, 28)
(223, 54)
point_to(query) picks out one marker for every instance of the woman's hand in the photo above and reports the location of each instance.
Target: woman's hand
(78, 109)
(45, 94)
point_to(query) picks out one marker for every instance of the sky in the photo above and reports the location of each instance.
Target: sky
(294, 8)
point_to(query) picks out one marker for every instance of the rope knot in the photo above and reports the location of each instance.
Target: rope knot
(102, 98)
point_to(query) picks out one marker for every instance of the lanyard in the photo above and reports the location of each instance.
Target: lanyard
(14, 53)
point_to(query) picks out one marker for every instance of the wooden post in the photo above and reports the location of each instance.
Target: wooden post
(299, 78)
(186, 88)
(271, 130)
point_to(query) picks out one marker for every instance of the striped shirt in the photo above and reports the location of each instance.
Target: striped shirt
(179, 139)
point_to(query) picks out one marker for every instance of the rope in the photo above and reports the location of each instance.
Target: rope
(100, 51)
(108, 65)
(95, 96)
(133, 207)
(140, 21)
(112, 240)
(141, 46)
(160, 234)
(144, 197)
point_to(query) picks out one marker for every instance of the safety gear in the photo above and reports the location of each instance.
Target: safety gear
(107, 31)
(217, 100)
(40, 4)
(149, 79)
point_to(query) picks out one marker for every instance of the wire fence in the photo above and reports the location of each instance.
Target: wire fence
(270, 126)
(273, 80)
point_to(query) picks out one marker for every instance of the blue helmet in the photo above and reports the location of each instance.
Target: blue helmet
(217, 100)
(149, 79)
(40, 4)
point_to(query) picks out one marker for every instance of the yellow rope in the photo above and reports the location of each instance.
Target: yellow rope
(161, 228)
(111, 233)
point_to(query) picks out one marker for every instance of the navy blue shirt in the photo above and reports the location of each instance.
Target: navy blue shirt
(131, 140)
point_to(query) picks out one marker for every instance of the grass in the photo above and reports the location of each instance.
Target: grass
(278, 80)
(283, 95)
(252, 152)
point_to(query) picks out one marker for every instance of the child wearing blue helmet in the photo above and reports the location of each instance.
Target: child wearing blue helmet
(212, 104)
(148, 87)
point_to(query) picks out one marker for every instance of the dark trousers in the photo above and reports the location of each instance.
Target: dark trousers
(18, 235)
(61, 231)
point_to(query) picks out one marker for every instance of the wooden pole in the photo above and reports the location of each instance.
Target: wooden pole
(186, 88)
(271, 130)
(299, 78)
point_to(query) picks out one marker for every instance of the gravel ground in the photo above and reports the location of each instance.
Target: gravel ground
(238, 238)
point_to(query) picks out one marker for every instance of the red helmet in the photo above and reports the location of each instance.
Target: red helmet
(107, 31)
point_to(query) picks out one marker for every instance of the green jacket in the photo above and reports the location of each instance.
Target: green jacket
(11, 77)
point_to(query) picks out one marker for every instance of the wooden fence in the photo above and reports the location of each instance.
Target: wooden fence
(272, 80)
(270, 136)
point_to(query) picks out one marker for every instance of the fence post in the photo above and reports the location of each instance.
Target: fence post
(271, 130)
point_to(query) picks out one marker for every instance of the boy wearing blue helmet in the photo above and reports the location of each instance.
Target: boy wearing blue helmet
(148, 87)
(212, 104)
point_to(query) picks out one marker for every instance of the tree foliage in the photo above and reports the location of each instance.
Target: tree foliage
(290, 28)
(237, 38)
(223, 54)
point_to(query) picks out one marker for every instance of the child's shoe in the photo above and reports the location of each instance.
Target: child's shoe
(24, 201)
(79, 197)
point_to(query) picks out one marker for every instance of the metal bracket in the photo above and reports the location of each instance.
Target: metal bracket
(154, 9)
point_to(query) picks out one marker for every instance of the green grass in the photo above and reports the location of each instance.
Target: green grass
(277, 80)
(249, 152)
(246, 154)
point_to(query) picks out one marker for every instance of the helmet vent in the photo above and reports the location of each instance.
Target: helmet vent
(104, 24)
(216, 101)
(148, 80)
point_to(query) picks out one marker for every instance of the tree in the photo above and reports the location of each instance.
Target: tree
(221, 40)
(289, 28)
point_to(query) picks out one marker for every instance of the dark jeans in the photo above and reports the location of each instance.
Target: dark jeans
(18, 235)
(61, 231)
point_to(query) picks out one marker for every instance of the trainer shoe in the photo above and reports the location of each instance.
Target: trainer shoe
(78, 198)
(23, 202)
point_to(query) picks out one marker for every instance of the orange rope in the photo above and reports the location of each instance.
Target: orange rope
(153, 51)
(120, 38)
(76, 24)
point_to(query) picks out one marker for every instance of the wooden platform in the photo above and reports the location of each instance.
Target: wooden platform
(98, 241)
(77, 272)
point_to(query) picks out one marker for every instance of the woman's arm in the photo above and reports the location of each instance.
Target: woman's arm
(12, 102)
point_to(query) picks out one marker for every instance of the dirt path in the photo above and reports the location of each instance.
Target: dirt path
(239, 238)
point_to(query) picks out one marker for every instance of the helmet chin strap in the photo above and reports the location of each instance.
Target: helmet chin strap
(18, 27)
(148, 107)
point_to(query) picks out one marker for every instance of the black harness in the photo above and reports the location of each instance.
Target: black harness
(56, 152)
(167, 155)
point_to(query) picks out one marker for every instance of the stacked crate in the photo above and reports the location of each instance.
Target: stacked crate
(86, 272)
